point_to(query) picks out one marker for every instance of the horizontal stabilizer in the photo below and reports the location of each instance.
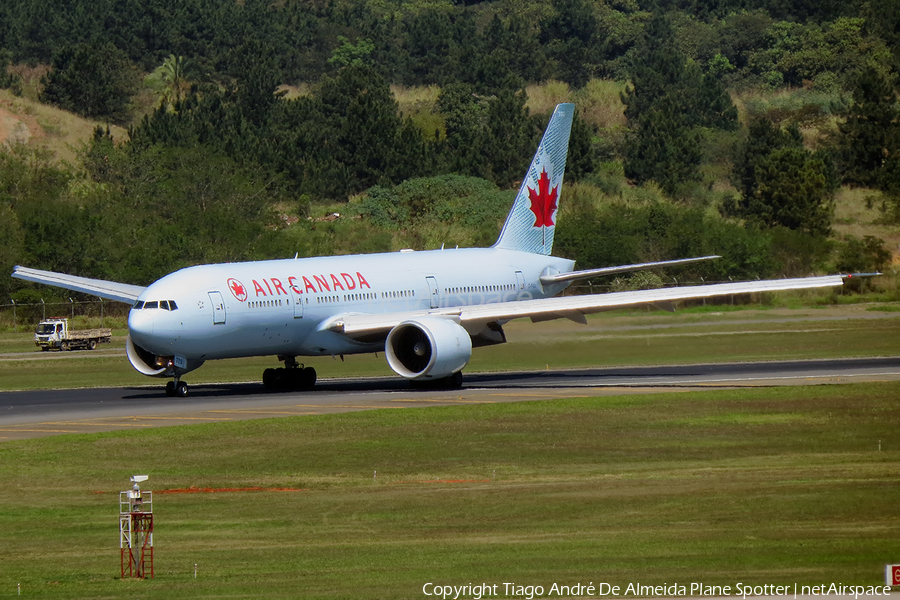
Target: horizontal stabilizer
(120, 292)
(573, 275)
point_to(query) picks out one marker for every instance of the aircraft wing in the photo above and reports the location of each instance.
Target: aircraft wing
(474, 317)
(574, 275)
(121, 292)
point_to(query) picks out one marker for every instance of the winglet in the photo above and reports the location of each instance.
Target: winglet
(531, 222)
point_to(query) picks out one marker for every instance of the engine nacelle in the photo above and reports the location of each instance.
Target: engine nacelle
(152, 365)
(428, 348)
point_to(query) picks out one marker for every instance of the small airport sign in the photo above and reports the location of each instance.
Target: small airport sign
(892, 574)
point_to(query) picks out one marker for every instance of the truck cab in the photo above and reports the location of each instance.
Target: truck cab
(50, 333)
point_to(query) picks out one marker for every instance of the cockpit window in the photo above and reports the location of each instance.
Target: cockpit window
(163, 304)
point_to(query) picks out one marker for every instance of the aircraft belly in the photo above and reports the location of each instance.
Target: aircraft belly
(243, 337)
(329, 343)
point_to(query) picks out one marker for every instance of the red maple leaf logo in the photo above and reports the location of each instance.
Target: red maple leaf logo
(543, 201)
(237, 288)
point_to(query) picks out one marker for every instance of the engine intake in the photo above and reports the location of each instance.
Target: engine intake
(153, 365)
(430, 347)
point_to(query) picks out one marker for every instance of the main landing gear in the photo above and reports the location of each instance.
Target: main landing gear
(177, 388)
(292, 376)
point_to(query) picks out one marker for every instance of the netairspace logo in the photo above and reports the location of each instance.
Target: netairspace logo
(477, 591)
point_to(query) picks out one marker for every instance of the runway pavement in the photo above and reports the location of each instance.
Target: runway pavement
(53, 412)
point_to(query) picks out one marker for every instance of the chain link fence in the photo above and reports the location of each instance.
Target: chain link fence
(22, 317)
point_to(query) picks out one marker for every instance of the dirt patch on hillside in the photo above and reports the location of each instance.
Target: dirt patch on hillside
(17, 129)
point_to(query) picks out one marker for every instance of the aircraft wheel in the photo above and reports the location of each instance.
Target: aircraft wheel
(280, 378)
(170, 388)
(181, 389)
(269, 378)
(308, 378)
(454, 382)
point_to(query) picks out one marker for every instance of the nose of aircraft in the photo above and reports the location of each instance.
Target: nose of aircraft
(140, 326)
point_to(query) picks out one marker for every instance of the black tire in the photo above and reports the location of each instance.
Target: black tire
(308, 378)
(181, 389)
(63, 346)
(92, 345)
(269, 378)
(451, 382)
(170, 388)
(454, 382)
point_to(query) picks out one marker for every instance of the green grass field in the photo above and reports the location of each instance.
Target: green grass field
(764, 486)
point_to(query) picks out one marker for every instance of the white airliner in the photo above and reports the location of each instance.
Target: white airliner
(425, 310)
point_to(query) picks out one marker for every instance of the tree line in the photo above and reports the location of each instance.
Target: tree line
(207, 174)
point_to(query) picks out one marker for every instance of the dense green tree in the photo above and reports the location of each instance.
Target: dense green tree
(357, 54)
(95, 80)
(661, 148)
(660, 231)
(570, 37)
(827, 54)
(782, 183)
(762, 139)
(792, 191)
(668, 100)
(870, 135)
(437, 47)
(257, 79)
(360, 133)
(509, 135)
(509, 47)
(464, 115)
(581, 159)
(8, 79)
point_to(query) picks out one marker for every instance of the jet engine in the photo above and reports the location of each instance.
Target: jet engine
(152, 365)
(428, 348)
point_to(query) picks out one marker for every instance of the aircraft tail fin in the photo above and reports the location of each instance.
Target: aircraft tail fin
(531, 222)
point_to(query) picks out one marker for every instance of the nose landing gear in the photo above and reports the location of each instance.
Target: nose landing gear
(292, 376)
(177, 388)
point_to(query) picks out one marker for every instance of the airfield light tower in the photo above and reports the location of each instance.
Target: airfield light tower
(136, 530)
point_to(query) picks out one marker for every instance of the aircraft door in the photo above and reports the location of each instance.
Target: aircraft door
(218, 306)
(434, 292)
(520, 282)
(297, 299)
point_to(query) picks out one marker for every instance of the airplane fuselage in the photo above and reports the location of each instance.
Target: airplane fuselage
(280, 307)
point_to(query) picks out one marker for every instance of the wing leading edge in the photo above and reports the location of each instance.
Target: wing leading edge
(121, 292)
(474, 317)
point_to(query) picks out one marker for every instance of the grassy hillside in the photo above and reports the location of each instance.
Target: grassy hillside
(23, 120)
(61, 133)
